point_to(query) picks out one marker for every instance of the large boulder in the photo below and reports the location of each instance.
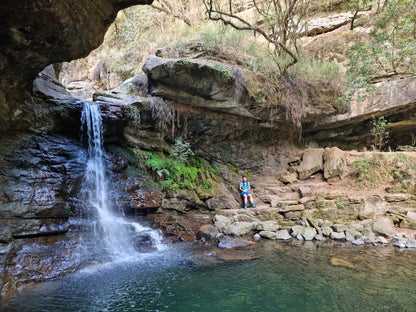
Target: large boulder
(334, 162)
(207, 233)
(312, 162)
(241, 228)
(224, 199)
(326, 24)
(384, 226)
(272, 226)
(222, 223)
(283, 235)
(196, 84)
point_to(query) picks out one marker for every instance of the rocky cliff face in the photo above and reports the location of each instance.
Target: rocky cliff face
(40, 177)
(40, 172)
(394, 98)
(35, 34)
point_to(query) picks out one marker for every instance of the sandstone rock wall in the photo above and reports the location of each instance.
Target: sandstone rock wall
(35, 34)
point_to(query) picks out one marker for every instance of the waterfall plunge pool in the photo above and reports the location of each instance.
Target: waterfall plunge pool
(282, 277)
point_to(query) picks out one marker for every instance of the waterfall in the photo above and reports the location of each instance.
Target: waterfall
(119, 235)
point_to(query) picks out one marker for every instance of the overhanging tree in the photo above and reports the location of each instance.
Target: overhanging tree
(279, 22)
(391, 51)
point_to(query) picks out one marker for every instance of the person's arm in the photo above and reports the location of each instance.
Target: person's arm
(240, 188)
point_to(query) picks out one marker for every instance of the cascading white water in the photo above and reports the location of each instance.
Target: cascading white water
(117, 233)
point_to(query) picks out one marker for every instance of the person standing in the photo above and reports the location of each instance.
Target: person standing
(245, 192)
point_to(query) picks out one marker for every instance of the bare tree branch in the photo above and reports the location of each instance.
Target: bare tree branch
(279, 25)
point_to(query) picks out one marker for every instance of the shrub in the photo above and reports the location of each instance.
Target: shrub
(366, 172)
(380, 132)
(312, 70)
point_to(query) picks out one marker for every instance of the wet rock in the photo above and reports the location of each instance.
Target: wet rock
(207, 233)
(268, 234)
(34, 228)
(334, 162)
(297, 230)
(241, 228)
(399, 242)
(312, 162)
(283, 235)
(352, 235)
(319, 238)
(368, 235)
(381, 240)
(326, 230)
(256, 236)
(358, 242)
(384, 226)
(337, 235)
(309, 233)
(411, 243)
(341, 262)
(340, 227)
(227, 242)
(174, 204)
(267, 226)
(135, 199)
(39, 259)
(222, 223)
(313, 223)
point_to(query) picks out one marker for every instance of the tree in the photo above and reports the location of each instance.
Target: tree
(380, 132)
(180, 9)
(278, 21)
(391, 51)
(357, 6)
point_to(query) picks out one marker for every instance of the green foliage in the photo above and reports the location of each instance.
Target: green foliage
(174, 175)
(232, 168)
(366, 172)
(339, 205)
(249, 175)
(356, 6)
(392, 50)
(312, 70)
(397, 170)
(180, 170)
(181, 150)
(359, 74)
(223, 69)
(380, 132)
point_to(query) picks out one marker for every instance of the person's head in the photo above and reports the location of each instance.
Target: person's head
(244, 178)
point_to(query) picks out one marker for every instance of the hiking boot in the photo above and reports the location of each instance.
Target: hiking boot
(245, 207)
(252, 205)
